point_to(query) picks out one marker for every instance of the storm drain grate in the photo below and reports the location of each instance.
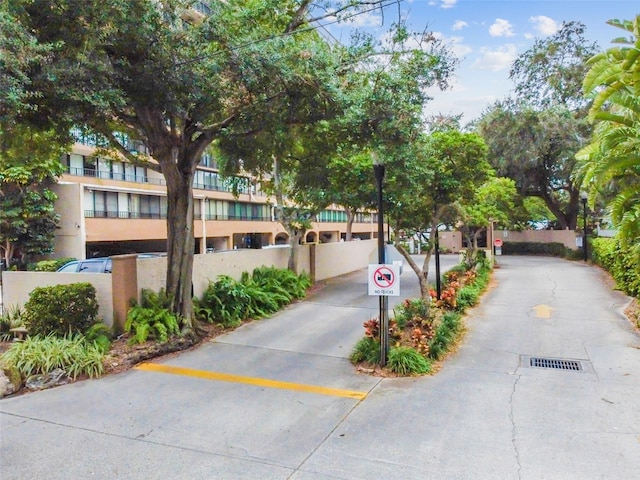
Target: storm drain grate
(556, 363)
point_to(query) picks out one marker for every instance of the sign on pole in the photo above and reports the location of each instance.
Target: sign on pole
(384, 280)
(498, 244)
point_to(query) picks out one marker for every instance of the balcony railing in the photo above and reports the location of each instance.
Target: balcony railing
(125, 177)
(124, 215)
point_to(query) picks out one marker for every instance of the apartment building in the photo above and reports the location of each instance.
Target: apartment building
(110, 207)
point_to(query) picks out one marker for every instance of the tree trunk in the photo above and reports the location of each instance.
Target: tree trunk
(180, 244)
(566, 220)
(421, 274)
(351, 215)
(295, 234)
(294, 242)
(8, 253)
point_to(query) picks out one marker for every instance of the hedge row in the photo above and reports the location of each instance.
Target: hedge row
(621, 263)
(552, 249)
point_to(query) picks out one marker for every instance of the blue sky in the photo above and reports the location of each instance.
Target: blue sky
(488, 35)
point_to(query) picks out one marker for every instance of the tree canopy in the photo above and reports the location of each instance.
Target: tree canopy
(179, 81)
(426, 178)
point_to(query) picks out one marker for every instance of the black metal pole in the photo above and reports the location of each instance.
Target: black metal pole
(584, 228)
(378, 169)
(438, 284)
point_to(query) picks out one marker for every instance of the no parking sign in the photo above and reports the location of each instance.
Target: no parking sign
(384, 280)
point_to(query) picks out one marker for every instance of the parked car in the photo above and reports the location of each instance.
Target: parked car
(98, 264)
(90, 265)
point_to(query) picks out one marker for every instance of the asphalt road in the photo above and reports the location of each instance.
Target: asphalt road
(278, 399)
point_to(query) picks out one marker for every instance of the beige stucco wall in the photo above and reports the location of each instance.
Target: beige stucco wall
(566, 237)
(16, 287)
(69, 238)
(453, 240)
(207, 267)
(333, 259)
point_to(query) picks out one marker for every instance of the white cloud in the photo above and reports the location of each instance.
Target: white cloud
(443, 3)
(460, 24)
(501, 28)
(496, 60)
(456, 44)
(367, 19)
(544, 25)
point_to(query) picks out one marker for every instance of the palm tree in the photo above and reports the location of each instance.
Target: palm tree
(611, 163)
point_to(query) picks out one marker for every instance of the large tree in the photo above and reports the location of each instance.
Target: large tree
(428, 178)
(533, 138)
(536, 148)
(177, 80)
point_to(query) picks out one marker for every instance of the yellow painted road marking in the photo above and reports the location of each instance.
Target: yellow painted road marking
(542, 311)
(261, 382)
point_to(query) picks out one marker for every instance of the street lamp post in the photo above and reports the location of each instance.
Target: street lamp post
(378, 170)
(583, 197)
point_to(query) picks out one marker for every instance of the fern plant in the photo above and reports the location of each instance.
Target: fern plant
(152, 318)
(100, 335)
(155, 323)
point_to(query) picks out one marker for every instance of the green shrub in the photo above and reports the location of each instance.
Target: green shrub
(469, 294)
(151, 319)
(280, 280)
(467, 297)
(553, 249)
(42, 355)
(620, 262)
(268, 289)
(61, 309)
(407, 361)
(225, 301)
(11, 317)
(366, 350)
(410, 311)
(49, 265)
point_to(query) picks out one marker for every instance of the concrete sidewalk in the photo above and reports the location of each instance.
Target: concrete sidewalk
(486, 415)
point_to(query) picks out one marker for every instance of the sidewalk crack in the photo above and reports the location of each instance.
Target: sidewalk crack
(514, 440)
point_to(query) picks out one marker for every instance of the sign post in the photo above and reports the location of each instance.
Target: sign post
(497, 243)
(384, 281)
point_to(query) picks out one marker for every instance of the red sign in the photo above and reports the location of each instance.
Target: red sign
(497, 242)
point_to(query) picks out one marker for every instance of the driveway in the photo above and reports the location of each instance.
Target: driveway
(279, 399)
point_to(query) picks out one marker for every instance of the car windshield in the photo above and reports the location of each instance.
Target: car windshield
(92, 267)
(69, 267)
